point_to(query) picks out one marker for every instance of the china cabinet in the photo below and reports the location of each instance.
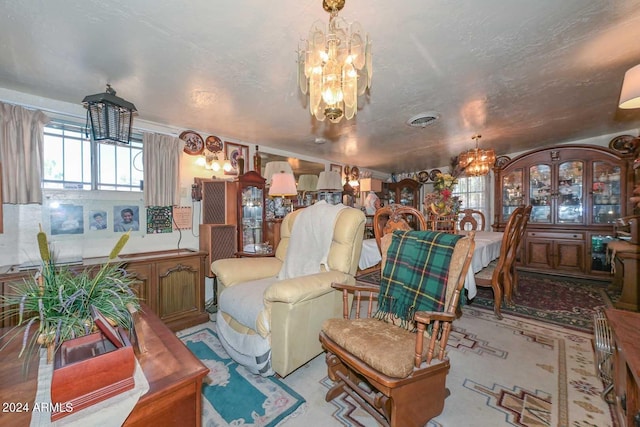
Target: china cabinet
(251, 211)
(405, 192)
(576, 193)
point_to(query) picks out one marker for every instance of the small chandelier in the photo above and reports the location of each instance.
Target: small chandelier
(111, 116)
(334, 67)
(477, 162)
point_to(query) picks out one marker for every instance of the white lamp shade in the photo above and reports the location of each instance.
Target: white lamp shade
(307, 182)
(329, 181)
(283, 184)
(272, 168)
(630, 93)
(370, 184)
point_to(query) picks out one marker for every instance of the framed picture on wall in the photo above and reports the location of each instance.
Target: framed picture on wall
(232, 152)
(335, 168)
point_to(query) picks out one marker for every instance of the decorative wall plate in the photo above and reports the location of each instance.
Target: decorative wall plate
(213, 144)
(434, 173)
(623, 143)
(423, 176)
(193, 142)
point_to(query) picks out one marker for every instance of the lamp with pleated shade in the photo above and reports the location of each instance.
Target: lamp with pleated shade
(272, 168)
(283, 184)
(307, 183)
(329, 183)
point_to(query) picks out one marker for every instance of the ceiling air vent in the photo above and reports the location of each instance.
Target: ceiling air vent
(423, 119)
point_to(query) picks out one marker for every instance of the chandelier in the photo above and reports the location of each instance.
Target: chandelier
(477, 162)
(334, 67)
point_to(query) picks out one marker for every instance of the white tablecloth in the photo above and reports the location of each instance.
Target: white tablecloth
(487, 249)
(370, 254)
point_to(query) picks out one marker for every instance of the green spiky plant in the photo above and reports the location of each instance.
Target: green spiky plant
(54, 306)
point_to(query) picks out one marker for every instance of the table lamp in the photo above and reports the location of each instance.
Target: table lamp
(272, 168)
(283, 184)
(307, 183)
(330, 183)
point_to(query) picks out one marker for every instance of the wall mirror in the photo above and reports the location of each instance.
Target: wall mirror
(300, 167)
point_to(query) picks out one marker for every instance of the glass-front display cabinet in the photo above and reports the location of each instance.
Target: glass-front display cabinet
(251, 213)
(405, 192)
(576, 193)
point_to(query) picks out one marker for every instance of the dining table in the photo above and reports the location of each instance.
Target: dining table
(487, 249)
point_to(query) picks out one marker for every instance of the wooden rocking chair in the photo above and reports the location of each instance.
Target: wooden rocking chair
(396, 217)
(395, 373)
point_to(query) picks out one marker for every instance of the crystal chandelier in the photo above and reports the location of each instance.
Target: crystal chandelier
(477, 162)
(334, 67)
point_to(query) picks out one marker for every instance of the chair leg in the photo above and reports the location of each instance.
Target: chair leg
(497, 298)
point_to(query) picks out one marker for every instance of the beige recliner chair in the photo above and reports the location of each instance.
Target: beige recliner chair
(271, 324)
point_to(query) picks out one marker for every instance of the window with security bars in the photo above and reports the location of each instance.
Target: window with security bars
(474, 193)
(73, 161)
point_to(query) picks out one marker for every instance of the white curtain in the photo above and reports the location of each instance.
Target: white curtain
(21, 151)
(161, 156)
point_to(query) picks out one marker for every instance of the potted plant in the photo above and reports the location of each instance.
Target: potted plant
(55, 304)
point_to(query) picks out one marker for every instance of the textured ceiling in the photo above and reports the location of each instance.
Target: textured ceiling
(521, 73)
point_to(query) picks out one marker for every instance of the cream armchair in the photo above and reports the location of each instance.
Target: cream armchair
(272, 325)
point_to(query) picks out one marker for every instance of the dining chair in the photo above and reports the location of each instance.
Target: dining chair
(396, 217)
(472, 220)
(511, 287)
(498, 274)
(391, 358)
(443, 224)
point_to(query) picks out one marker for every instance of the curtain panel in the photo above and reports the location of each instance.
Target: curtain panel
(161, 157)
(21, 151)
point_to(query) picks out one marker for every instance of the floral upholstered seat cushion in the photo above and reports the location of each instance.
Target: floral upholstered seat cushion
(381, 345)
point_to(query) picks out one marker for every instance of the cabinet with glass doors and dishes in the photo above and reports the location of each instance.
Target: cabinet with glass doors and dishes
(251, 213)
(576, 192)
(404, 192)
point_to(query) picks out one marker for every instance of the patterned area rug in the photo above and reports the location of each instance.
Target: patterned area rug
(232, 396)
(559, 300)
(514, 372)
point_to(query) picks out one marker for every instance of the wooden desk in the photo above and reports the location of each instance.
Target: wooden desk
(625, 327)
(173, 372)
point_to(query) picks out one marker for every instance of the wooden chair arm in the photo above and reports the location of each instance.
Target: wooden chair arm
(360, 291)
(359, 286)
(430, 316)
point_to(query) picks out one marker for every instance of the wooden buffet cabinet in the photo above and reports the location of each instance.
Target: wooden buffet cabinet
(170, 283)
(577, 192)
(625, 328)
(174, 375)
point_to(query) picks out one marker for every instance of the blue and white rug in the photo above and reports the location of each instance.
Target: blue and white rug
(232, 396)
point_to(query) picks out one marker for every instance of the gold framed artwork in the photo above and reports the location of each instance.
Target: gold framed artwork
(335, 168)
(232, 151)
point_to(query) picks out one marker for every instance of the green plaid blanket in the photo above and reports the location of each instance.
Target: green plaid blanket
(415, 275)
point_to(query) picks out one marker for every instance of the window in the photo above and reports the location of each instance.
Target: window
(73, 161)
(473, 191)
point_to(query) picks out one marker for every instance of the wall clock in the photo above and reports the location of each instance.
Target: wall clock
(193, 142)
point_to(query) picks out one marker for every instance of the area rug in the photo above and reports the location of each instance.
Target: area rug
(559, 300)
(514, 372)
(232, 396)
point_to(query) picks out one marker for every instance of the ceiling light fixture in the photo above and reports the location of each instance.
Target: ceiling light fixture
(111, 116)
(477, 162)
(335, 67)
(630, 93)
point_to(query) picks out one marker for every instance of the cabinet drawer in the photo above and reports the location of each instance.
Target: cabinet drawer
(555, 235)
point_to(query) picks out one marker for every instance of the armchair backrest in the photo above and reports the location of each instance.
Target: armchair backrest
(346, 243)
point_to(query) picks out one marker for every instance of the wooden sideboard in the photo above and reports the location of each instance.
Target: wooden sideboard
(174, 375)
(171, 283)
(625, 327)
